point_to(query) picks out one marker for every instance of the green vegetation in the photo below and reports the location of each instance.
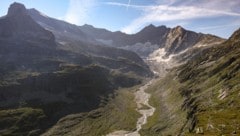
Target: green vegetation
(215, 90)
(200, 97)
(21, 122)
(117, 112)
(168, 117)
(73, 89)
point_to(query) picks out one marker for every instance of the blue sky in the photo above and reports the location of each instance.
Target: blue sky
(219, 17)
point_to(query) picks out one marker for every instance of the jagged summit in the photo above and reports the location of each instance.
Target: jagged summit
(173, 40)
(19, 25)
(152, 27)
(87, 26)
(16, 8)
(178, 29)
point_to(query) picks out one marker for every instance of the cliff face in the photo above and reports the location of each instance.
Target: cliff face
(179, 39)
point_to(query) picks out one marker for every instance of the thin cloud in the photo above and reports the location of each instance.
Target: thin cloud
(78, 11)
(176, 10)
(140, 7)
(217, 27)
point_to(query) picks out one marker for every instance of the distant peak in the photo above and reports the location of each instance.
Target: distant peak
(36, 12)
(235, 35)
(88, 26)
(16, 8)
(179, 27)
(33, 10)
(162, 26)
(151, 26)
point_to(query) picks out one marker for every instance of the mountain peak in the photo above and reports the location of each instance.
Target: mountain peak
(153, 27)
(87, 26)
(36, 12)
(150, 26)
(235, 36)
(178, 29)
(16, 8)
(33, 10)
(19, 25)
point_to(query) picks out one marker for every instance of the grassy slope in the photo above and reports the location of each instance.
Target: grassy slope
(168, 117)
(88, 85)
(21, 122)
(202, 94)
(117, 113)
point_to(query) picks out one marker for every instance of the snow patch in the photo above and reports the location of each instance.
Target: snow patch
(160, 62)
(159, 55)
(62, 42)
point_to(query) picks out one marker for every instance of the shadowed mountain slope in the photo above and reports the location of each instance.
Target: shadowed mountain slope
(55, 79)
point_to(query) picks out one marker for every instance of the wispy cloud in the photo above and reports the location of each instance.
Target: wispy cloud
(178, 10)
(217, 27)
(79, 10)
(140, 7)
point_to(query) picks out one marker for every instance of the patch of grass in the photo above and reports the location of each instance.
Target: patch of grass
(117, 113)
(21, 122)
(168, 117)
(203, 93)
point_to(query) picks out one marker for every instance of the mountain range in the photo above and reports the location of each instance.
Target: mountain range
(143, 43)
(40, 72)
(57, 78)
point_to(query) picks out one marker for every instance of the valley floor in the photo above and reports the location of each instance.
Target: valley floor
(143, 107)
